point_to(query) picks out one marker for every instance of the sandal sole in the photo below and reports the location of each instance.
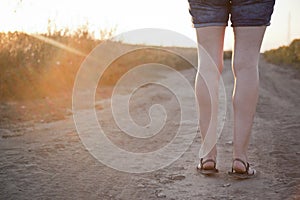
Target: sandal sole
(207, 171)
(243, 175)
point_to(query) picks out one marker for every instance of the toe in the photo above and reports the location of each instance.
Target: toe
(209, 165)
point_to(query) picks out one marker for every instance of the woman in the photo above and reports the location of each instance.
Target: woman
(249, 19)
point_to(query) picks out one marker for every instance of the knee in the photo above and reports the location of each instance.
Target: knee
(211, 67)
(245, 67)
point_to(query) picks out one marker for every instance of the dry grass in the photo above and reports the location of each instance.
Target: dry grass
(31, 68)
(286, 55)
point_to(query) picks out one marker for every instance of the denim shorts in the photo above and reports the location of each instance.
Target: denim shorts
(242, 12)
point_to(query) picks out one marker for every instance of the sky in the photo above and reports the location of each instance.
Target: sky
(32, 16)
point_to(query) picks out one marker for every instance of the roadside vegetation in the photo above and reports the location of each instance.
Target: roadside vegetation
(45, 65)
(33, 68)
(285, 55)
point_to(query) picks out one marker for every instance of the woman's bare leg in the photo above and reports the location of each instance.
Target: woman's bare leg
(245, 69)
(210, 63)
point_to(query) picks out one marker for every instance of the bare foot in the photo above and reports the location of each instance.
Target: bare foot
(208, 163)
(240, 166)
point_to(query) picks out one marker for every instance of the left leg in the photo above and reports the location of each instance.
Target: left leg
(210, 54)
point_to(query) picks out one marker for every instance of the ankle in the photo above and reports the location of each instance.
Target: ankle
(241, 156)
(210, 156)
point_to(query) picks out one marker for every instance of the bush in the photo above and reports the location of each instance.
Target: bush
(45, 65)
(285, 55)
(32, 68)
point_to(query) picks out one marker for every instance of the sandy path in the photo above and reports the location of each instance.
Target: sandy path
(48, 161)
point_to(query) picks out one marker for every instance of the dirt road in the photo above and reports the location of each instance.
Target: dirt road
(46, 160)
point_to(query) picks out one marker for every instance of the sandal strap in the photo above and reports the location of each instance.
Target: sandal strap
(206, 161)
(246, 164)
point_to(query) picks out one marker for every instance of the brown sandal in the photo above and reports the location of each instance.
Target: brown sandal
(204, 171)
(245, 174)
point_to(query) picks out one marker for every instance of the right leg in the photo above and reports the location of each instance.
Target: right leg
(245, 69)
(210, 63)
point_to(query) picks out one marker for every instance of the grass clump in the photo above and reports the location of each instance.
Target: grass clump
(31, 68)
(285, 55)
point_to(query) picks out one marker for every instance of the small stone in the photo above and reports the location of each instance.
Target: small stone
(226, 185)
(161, 195)
(229, 142)
(141, 185)
(177, 177)
(32, 166)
